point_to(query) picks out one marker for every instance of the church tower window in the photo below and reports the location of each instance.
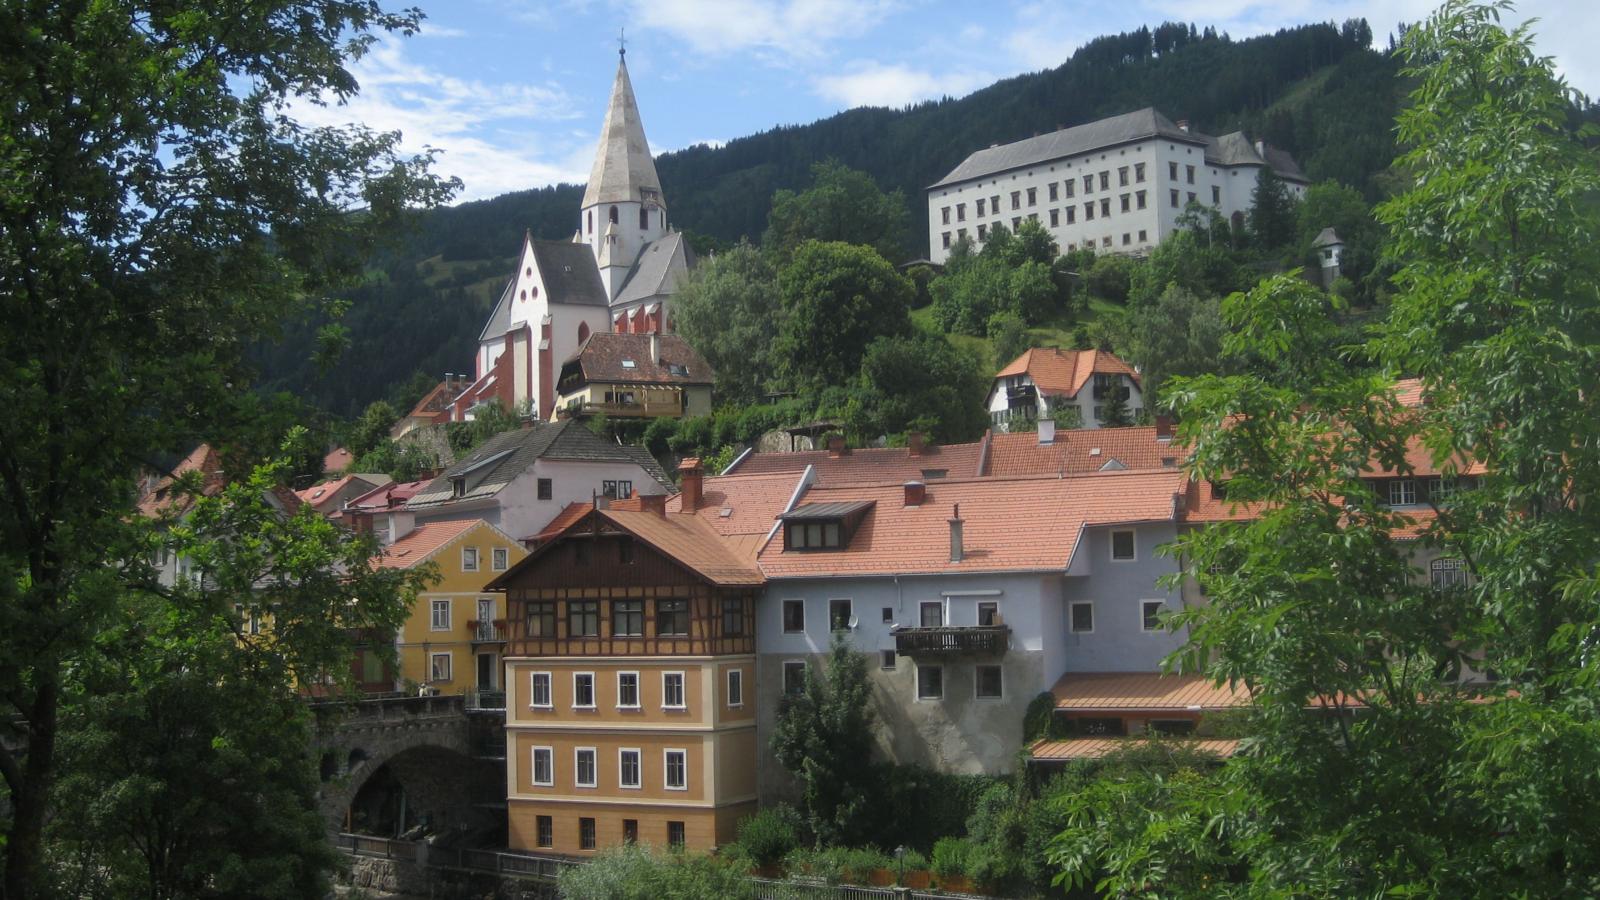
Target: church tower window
(590, 218)
(583, 332)
(613, 215)
(644, 219)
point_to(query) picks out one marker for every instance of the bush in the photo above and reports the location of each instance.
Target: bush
(950, 857)
(634, 872)
(770, 834)
(858, 864)
(1110, 277)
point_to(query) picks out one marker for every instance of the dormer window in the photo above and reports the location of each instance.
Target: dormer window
(678, 369)
(823, 526)
(458, 486)
(627, 364)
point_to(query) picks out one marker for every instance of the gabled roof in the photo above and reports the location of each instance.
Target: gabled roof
(1064, 372)
(162, 498)
(569, 514)
(612, 357)
(1082, 450)
(870, 465)
(424, 541)
(1100, 747)
(570, 273)
(387, 496)
(1144, 692)
(686, 539)
(1327, 237)
(320, 495)
(743, 509)
(499, 319)
(1009, 524)
(506, 456)
(1107, 132)
(655, 273)
(622, 163)
(337, 460)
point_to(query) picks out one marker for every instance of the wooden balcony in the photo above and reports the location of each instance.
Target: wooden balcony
(953, 640)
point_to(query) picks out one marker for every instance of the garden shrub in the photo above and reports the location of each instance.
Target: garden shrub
(635, 872)
(858, 864)
(770, 834)
(950, 857)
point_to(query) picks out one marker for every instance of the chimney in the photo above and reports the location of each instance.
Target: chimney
(914, 443)
(401, 523)
(836, 447)
(1261, 148)
(957, 551)
(656, 503)
(916, 492)
(1047, 432)
(655, 347)
(1163, 428)
(1183, 125)
(689, 482)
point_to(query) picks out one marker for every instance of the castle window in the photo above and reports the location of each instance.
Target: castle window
(613, 215)
(644, 218)
(1216, 195)
(1138, 172)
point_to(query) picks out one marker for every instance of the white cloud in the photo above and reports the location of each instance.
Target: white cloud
(790, 28)
(877, 84)
(496, 137)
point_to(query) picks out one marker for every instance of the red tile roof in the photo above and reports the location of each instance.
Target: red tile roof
(688, 539)
(163, 499)
(1144, 692)
(422, 542)
(742, 504)
(869, 465)
(572, 512)
(1098, 748)
(1409, 391)
(388, 496)
(601, 358)
(337, 461)
(1065, 372)
(1009, 524)
(1082, 450)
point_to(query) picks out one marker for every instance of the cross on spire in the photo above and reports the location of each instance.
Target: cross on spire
(622, 42)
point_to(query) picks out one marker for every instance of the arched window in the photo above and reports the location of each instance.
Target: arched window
(644, 219)
(613, 215)
(1448, 574)
(590, 220)
(583, 332)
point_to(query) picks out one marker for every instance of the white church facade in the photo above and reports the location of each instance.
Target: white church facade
(1116, 185)
(617, 273)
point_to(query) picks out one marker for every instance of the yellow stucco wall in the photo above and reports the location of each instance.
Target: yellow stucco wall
(461, 592)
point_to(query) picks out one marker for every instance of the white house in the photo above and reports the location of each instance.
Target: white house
(1045, 380)
(1115, 185)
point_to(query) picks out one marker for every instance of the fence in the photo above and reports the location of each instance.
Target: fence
(768, 889)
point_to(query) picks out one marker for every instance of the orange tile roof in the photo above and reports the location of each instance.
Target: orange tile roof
(162, 499)
(1409, 391)
(572, 512)
(1201, 504)
(1082, 450)
(1098, 748)
(691, 541)
(1144, 692)
(319, 494)
(1010, 524)
(422, 542)
(337, 461)
(1065, 372)
(753, 502)
(868, 465)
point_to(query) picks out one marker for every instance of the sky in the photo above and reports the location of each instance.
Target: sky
(514, 91)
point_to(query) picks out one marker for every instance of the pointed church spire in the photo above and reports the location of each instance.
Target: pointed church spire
(623, 169)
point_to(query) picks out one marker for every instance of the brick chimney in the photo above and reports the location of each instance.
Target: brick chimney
(1047, 432)
(957, 550)
(656, 503)
(914, 443)
(836, 447)
(690, 483)
(916, 492)
(1163, 428)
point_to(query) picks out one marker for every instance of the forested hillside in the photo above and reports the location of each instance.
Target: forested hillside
(1315, 90)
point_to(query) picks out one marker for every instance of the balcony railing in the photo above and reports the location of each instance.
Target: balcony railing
(489, 632)
(486, 701)
(953, 640)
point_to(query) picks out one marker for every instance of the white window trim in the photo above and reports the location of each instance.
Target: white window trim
(683, 681)
(916, 688)
(666, 768)
(783, 622)
(1111, 545)
(594, 769)
(850, 603)
(549, 691)
(496, 556)
(449, 665)
(593, 690)
(449, 613)
(735, 675)
(944, 613)
(533, 771)
(978, 696)
(1073, 605)
(1146, 602)
(622, 782)
(477, 559)
(638, 691)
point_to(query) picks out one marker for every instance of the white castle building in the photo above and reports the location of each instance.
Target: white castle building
(615, 274)
(1115, 185)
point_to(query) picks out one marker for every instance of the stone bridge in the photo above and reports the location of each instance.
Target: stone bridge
(391, 762)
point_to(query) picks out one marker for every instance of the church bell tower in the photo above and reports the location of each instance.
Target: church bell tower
(623, 209)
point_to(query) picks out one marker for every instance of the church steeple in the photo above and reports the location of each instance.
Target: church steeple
(623, 210)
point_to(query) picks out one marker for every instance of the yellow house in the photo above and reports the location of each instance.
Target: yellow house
(455, 637)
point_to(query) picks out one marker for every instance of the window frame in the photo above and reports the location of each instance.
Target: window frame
(545, 612)
(790, 665)
(594, 768)
(994, 609)
(587, 833)
(637, 696)
(633, 617)
(662, 616)
(834, 624)
(737, 609)
(1072, 621)
(549, 690)
(638, 769)
(1144, 616)
(582, 610)
(545, 489)
(550, 765)
(1402, 486)
(934, 667)
(475, 556)
(734, 685)
(544, 832)
(677, 835)
(891, 658)
(449, 666)
(592, 690)
(922, 617)
(435, 606)
(666, 768)
(794, 604)
(977, 682)
(499, 559)
(683, 690)
(1133, 540)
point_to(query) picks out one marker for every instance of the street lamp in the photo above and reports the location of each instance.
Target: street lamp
(899, 865)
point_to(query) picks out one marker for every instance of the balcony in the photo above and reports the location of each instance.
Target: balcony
(488, 632)
(486, 701)
(953, 640)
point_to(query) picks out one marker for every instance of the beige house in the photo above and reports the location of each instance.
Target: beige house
(635, 376)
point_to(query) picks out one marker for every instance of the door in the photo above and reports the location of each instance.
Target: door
(486, 669)
(485, 618)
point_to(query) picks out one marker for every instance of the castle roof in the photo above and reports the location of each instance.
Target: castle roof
(623, 169)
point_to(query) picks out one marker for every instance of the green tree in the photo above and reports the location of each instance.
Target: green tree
(837, 298)
(842, 204)
(160, 214)
(1330, 204)
(922, 381)
(1178, 333)
(371, 428)
(1272, 212)
(1009, 335)
(728, 310)
(1109, 278)
(635, 872)
(823, 736)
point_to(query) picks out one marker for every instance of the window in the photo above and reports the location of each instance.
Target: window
(545, 827)
(1174, 727)
(822, 535)
(944, 214)
(674, 834)
(439, 667)
(1126, 239)
(1142, 237)
(994, 204)
(1122, 546)
(735, 688)
(1055, 218)
(1189, 174)
(1448, 574)
(980, 207)
(1099, 727)
(794, 678)
(1072, 214)
(542, 618)
(545, 491)
(988, 683)
(983, 232)
(539, 690)
(1033, 217)
(988, 613)
(644, 218)
(583, 618)
(1016, 199)
(499, 559)
(946, 239)
(1088, 184)
(1402, 492)
(585, 833)
(1033, 196)
(677, 770)
(1191, 196)
(1105, 180)
(613, 215)
(1016, 222)
(627, 618)
(440, 620)
(930, 614)
(544, 767)
(1088, 211)
(1054, 191)
(839, 615)
(583, 690)
(617, 490)
(584, 767)
(672, 690)
(1174, 198)
(1138, 172)
(672, 617)
(930, 682)
(961, 212)
(630, 831)
(628, 767)
(794, 616)
(1083, 617)
(1070, 187)
(1127, 202)
(1216, 195)
(1105, 206)
(888, 614)
(1443, 490)
(1150, 614)
(1172, 171)
(1105, 242)
(625, 552)
(1139, 199)
(469, 559)
(732, 616)
(887, 659)
(628, 690)
(1122, 176)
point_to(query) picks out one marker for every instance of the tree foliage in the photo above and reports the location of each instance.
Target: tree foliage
(823, 736)
(837, 298)
(636, 872)
(842, 204)
(728, 310)
(1272, 212)
(923, 382)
